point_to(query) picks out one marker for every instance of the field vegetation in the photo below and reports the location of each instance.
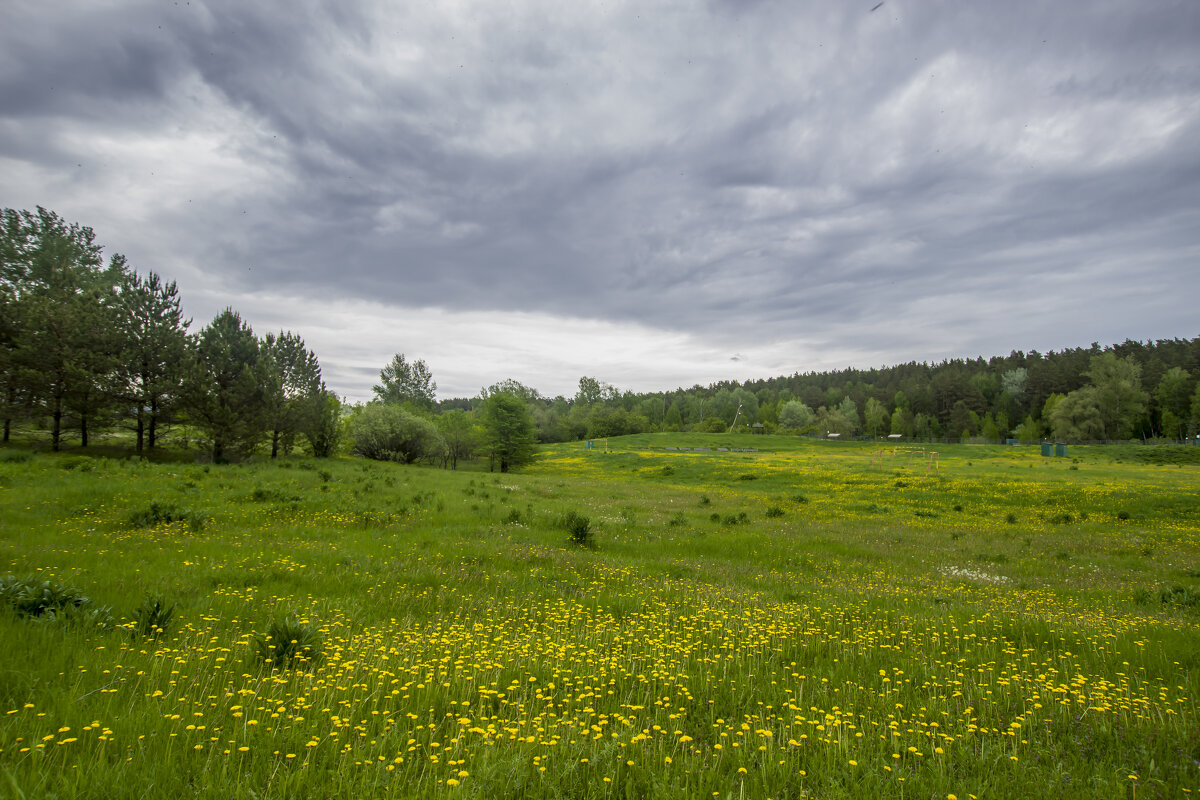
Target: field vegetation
(736, 616)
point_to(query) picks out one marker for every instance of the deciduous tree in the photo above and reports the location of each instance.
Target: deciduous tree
(404, 382)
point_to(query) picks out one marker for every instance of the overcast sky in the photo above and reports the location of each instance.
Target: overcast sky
(655, 194)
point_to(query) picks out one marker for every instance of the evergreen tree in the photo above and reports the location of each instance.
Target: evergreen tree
(293, 387)
(62, 347)
(227, 387)
(153, 356)
(508, 430)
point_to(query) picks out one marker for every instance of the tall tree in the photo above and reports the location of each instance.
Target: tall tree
(461, 434)
(509, 430)
(1078, 416)
(402, 382)
(1173, 395)
(795, 416)
(63, 348)
(227, 386)
(875, 416)
(324, 429)
(151, 370)
(292, 389)
(1119, 394)
(10, 387)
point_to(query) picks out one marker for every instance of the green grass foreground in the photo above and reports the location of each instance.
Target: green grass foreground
(813, 619)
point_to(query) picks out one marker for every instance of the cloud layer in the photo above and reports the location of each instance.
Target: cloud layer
(638, 191)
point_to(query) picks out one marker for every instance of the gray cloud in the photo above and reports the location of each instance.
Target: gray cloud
(924, 180)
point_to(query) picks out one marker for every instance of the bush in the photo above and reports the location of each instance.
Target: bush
(579, 528)
(288, 644)
(15, 456)
(386, 432)
(774, 511)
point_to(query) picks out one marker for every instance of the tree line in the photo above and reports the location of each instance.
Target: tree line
(88, 346)
(1133, 390)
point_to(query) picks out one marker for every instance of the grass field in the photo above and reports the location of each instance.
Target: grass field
(812, 619)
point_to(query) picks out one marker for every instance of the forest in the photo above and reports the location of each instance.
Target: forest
(91, 349)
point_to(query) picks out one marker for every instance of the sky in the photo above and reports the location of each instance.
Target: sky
(653, 194)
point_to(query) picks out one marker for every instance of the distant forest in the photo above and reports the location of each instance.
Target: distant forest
(91, 348)
(1133, 390)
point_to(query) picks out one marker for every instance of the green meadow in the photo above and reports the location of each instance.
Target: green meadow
(785, 618)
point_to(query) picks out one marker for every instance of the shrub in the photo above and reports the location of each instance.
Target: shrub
(1122, 515)
(386, 432)
(288, 643)
(15, 456)
(1010, 518)
(677, 520)
(774, 511)
(579, 528)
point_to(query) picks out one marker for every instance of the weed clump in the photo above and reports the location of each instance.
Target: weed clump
(15, 456)
(289, 643)
(158, 513)
(1010, 518)
(49, 602)
(774, 512)
(152, 618)
(578, 528)
(677, 520)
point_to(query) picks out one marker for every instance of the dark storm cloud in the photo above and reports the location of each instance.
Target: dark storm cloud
(918, 180)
